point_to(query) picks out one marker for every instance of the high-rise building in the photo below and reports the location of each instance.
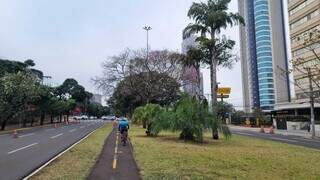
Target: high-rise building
(263, 54)
(97, 98)
(190, 74)
(304, 18)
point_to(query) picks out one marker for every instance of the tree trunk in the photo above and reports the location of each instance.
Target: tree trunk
(51, 118)
(24, 121)
(213, 77)
(32, 120)
(144, 124)
(3, 124)
(43, 116)
(198, 81)
(60, 118)
(186, 135)
(215, 134)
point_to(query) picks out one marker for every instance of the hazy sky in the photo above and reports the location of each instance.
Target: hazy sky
(70, 38)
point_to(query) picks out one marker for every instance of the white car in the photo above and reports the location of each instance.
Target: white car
(110, 118)
(84, 117)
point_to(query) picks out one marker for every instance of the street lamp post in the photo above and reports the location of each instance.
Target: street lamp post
(147, 28)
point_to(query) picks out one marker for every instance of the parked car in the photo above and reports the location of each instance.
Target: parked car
(77, 117)
(84, 117)
(92, 117)
(109, 118)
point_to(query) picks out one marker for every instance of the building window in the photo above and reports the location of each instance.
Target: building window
(300, 6)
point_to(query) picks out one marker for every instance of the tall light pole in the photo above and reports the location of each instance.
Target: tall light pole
(147, 28)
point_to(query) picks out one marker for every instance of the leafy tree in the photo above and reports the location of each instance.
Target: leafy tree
(44, 101)
(132, 92)
(8, 66)
(29, 63)
(223, 109)
(18, 92)
(96, 109)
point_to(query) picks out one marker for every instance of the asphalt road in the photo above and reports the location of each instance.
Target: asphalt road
(289, 139)
(34, 147)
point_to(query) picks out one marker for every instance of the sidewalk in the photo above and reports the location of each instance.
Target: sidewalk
(300, 133)
(116, 162)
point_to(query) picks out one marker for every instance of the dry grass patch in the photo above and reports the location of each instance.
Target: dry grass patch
(166, 157)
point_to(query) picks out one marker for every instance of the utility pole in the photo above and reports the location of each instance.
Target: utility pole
(147, 28)
(313, 130)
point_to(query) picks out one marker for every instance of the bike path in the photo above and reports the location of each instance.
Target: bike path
(116, 162)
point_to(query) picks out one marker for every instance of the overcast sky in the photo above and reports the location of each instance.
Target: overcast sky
(70, 38)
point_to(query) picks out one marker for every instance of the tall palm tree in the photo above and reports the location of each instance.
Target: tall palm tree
(209, 18)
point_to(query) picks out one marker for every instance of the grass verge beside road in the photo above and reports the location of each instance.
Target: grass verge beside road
(166, 157)
(77, 163)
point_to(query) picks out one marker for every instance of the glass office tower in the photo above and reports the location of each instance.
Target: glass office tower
(264, 84)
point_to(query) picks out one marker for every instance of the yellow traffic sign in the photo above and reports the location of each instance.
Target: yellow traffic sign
(224, 90)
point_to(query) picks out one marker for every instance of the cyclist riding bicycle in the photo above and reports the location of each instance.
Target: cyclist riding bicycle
(123, 128)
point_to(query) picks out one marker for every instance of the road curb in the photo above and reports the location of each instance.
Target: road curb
(58, 155)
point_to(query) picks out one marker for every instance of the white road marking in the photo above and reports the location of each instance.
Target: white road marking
(22, 148)
(56, 136)
(26, 135)
(281, 139)
(72, 130)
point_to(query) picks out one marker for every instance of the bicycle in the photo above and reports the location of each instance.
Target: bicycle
(124, 137)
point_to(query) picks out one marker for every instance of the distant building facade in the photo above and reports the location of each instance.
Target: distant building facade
(304, 18)
(263, 54)
(190, 74)
(97, 98)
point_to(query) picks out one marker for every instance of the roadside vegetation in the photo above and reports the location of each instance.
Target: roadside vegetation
(25, 98)
(78, 162)
(241, 157)
(189, 116)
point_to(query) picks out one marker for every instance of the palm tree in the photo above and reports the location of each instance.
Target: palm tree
(209, 18)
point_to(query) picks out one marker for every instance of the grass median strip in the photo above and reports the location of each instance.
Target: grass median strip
(76, 163)
(166, 157)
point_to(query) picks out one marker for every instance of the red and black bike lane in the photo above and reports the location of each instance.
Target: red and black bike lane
(116, 162)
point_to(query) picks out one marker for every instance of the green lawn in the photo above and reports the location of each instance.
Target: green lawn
(77, 163)
(165, 157)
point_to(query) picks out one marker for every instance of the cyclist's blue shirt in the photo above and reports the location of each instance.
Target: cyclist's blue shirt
(123, 124)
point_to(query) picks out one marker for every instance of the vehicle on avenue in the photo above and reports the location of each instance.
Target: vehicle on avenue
(83, 117)
(109, 118)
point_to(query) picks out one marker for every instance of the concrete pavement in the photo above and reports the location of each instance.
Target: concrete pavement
(289, 139)
(20, 156)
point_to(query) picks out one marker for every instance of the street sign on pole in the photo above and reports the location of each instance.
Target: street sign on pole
(224, 90)
(222, 96)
